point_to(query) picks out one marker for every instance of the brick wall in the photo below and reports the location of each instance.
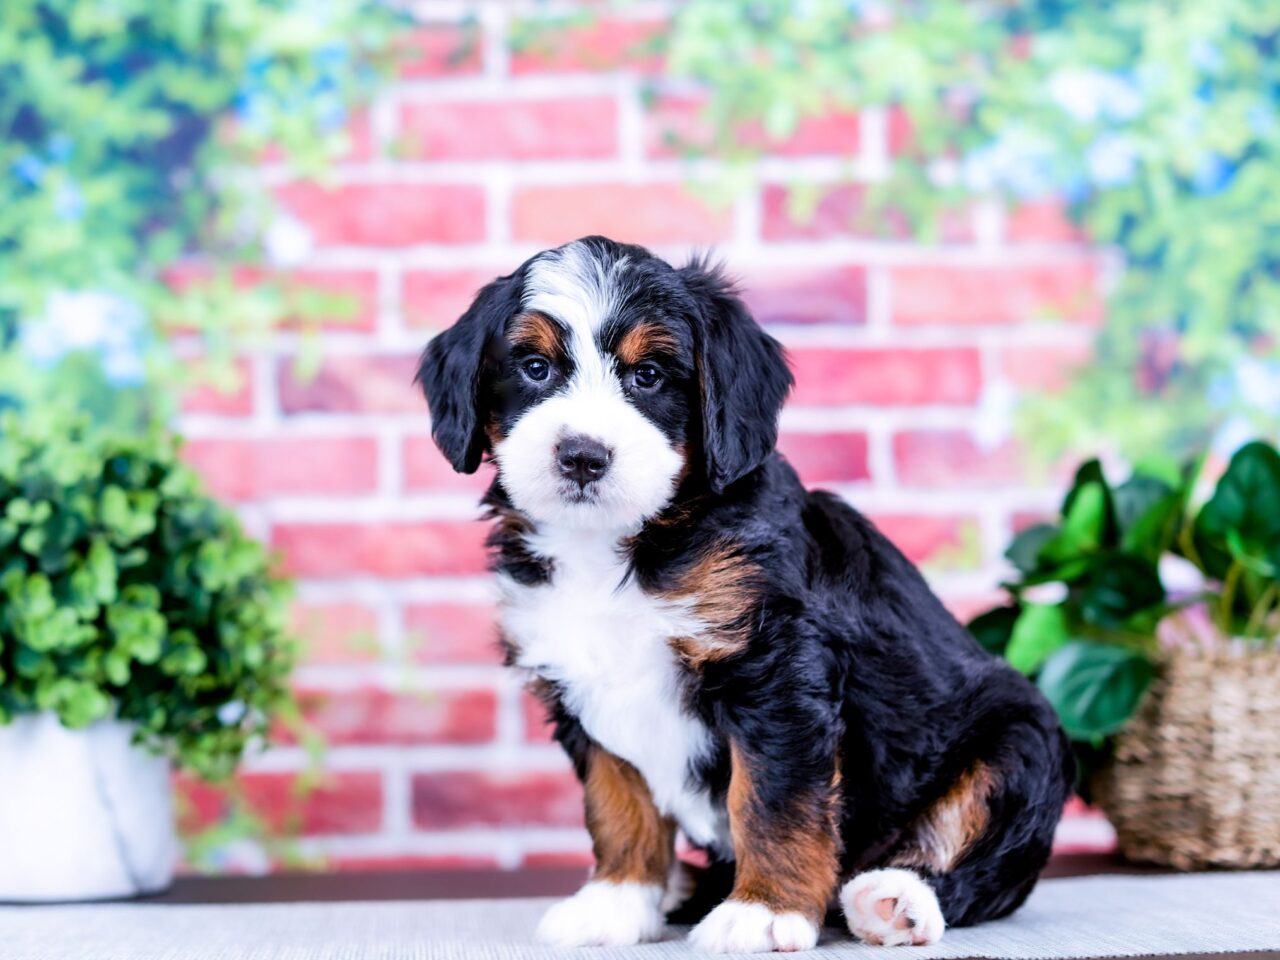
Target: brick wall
(908, 358)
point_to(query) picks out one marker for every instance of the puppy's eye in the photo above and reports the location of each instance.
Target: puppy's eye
(536, 369)
(647, 376)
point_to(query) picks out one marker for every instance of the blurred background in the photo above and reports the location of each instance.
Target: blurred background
(993, 243)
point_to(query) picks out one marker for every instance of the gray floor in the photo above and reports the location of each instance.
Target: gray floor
(1077, 917)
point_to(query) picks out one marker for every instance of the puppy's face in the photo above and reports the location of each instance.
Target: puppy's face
(593, 393)
(598, 377)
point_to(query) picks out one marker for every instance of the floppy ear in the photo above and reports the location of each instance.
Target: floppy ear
(453, 373)
(745, 379)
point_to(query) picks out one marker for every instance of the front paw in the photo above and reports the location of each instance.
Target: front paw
(605, 914)
(737, 926)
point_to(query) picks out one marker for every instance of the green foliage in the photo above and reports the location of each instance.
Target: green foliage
(124, 589)
(1092, 648)
(1155, 123)
(122, 128)
(1095, 687)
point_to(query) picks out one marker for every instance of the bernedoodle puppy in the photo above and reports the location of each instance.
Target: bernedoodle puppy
(723, 652)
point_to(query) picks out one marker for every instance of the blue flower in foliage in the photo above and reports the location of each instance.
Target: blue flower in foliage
(29, 168)
(97, 323)
(1091, 95)
(1214, 174)
(257, 104)
(1111, 160)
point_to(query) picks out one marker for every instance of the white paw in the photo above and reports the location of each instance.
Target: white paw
(893, 908)
(740, 927)
(604, 914)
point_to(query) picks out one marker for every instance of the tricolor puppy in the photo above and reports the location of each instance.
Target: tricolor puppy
(723, 652)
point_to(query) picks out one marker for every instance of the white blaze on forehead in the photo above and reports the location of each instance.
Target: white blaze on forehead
(579, 291)
(582, 292)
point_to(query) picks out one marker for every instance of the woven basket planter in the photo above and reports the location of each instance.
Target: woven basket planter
(1195, 778)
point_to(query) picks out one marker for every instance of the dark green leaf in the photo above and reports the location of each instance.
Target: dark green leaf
(1024, 552)
(1246, 501)
(1095, 687)
(1119, 586)
(994, 628)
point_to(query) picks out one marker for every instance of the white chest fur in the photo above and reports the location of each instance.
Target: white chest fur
(605, 643)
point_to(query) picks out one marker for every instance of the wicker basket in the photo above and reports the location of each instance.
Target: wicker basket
(1195, 779)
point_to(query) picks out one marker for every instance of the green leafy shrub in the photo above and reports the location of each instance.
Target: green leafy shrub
(1093, 646)
(129, 131)
(125, 590)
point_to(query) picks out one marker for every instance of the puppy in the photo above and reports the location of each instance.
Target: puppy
(722, 652)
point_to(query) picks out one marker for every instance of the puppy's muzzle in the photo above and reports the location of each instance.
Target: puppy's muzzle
(582, 459)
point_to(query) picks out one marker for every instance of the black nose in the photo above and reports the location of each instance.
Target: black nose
(582, 459)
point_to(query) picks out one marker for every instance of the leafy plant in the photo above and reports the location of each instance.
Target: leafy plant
(126, 591)
(1089, 595)
(1154, 125)
(126, 133)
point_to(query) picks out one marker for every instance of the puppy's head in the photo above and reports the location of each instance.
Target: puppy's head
(599, 377)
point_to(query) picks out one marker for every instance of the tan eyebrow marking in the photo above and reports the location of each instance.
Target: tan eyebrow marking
(538, 332)
(644, 340)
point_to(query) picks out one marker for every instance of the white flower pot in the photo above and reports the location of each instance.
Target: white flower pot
(84, 814)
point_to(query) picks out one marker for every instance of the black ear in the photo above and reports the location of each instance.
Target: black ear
(453, 373)
(745, 378)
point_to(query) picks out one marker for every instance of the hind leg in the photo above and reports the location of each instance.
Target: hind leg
(975, 853)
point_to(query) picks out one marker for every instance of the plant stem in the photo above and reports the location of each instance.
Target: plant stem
(1186, 540)
(1229, 585)
(1259, 615)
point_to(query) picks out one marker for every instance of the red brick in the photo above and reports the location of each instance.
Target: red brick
(441, 49)
(411, 863)
(844, 211)
(332, 299)
(391, 549)
(1045, 222)
(886, 376)
(462, 798)
(835, 295)
(953, 458)
(602, 44)
(371, 716)
(354, 294)
(537, 726)
(345, 803)
(969, 295)
(524, 129)
(388, 214)
(678, 125)
(930, 539)
(1046, 367)
(453, 633)
(425, 468)
(827, 457)
(633, 213)
(354, 383)
(232, 399)
(901, 132)
(434, 299)
(335, 632)
(261, 468)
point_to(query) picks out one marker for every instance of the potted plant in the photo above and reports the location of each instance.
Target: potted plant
(139, 627)
(1170, 692)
